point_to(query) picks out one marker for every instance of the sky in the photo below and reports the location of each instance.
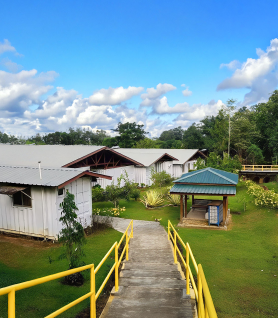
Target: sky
(164, 64)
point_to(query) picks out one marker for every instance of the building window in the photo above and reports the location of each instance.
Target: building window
(23, 198)
(61, 191)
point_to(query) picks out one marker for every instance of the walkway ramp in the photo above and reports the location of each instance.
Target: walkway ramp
(151, 285)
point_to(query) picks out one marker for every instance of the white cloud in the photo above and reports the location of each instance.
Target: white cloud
(186, 92)
(160, 89)
(54, 104)
(114, 96)
(21, 90)
(197, 112)
(259, 75)
(97, 115)
(233, 65)
(6, 46)
(11, 66)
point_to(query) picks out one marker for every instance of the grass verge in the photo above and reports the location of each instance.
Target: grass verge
(21, 260)
(240, 264)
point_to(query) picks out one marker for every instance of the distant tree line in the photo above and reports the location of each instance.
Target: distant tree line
(253, 134)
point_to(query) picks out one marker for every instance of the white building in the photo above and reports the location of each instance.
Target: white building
(173, 161)
(30, 199)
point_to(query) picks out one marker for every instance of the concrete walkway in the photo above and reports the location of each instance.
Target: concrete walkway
(151, 285)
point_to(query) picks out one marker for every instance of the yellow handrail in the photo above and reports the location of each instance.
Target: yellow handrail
(259, 167)
(10, 290)
(205, 306)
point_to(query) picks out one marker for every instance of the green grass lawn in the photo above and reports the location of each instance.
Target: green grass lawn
(239, 264)
(30, 260)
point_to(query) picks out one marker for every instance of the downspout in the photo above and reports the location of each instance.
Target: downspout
(42, 192)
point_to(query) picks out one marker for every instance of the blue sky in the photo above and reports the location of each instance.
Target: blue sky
(94, 63)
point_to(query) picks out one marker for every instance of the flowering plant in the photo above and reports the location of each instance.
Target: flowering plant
(263, 197)
(109, 211)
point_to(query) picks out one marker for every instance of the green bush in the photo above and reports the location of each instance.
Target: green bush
(135, 194)
(161, 179)
(98, 194)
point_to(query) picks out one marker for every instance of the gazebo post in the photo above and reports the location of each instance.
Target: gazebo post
(185, 206)
(181, 208)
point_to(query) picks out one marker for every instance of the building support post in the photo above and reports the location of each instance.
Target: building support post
(181, 208)
(192, 199)
(225, 208)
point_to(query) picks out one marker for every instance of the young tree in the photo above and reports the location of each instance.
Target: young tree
(72, 235)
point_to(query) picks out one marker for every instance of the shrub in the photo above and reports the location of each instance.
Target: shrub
(264, 198)
(161, 178)
(152, 198)
(98, 194)
(109, 211)
(174, 199)
(135, 194)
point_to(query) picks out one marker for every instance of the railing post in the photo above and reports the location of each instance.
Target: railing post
(93, 297)
(187, 271)
(175, 247)
(126, 242)
(262, 168)
(253, 168)
(201, 307)
(131, 234)
(243, 168)
(11, 304)
(168, 230)
(116, 268)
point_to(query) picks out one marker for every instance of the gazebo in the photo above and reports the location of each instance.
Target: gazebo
(206, 182)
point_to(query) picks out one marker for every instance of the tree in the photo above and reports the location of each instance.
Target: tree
(215, 161)
(193, 137)
(147, 143)
(72, 235)
(129, 134)
(172, 134)
(244, 131)
(256, 154)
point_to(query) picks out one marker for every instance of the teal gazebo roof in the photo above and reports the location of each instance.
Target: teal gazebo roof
(208, 181)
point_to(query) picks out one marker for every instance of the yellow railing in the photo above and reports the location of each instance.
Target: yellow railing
(260, 167)
(10, 290)
(205, 307)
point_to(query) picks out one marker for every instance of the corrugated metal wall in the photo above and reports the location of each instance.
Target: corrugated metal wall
(42, 219)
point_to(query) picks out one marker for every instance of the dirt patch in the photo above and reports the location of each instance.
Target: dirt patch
(26, 241)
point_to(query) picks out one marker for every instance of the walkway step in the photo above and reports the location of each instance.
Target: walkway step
(151, 284)
(150, 273)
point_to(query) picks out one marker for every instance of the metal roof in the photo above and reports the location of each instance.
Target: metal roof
(149, 156)
(51, 177)
(209, 176)
(203, 189)
(49, 155)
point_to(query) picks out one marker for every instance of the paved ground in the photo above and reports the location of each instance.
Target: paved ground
(150, 284)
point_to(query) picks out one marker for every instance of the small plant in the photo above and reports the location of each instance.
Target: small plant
(152, 199)
(135, 194)
(174, 199)
(72, 236)
(142, 185)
